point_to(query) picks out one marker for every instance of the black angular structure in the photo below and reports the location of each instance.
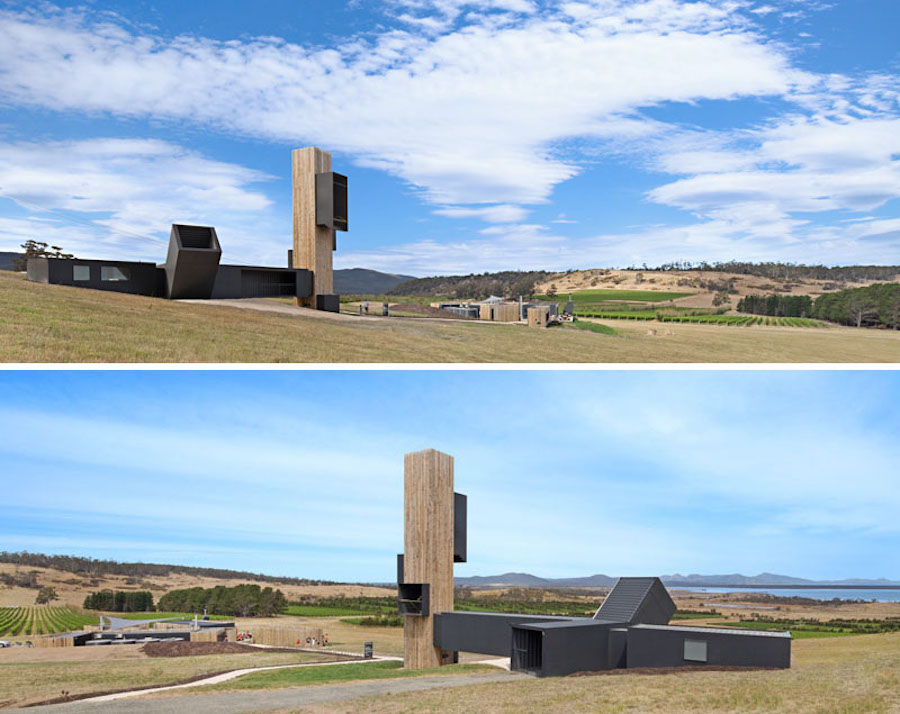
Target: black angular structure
(192, 262)
(630, 628)
(191, 271)
(635, 600)
(460, 527)
(331, 201)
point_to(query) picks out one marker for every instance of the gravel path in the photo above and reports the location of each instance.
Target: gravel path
(253, 700)
(264, 305)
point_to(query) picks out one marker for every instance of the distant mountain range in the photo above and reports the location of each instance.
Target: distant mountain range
(677, 580)
(360, 281)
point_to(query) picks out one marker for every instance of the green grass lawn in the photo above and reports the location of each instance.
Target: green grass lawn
(593, 327)
(328, 610)
(303, 676)
(605, 294)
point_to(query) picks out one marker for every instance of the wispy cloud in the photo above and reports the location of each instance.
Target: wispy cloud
(124, 193)
(785, 469)
(483, 108)
(464, 115)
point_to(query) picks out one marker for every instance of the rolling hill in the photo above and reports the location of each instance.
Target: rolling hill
(360, 281)
(676, 580)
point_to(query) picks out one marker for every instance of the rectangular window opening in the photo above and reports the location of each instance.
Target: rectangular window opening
(694, 651)
(114, 274)
(81, 272)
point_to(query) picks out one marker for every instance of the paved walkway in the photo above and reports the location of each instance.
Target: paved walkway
(227, 676)
(263, 305)
(255, 700)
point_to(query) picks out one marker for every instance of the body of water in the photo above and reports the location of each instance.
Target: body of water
(816, 593)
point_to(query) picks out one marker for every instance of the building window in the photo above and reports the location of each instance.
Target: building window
(694, 651)
(113, 274)
(81, 272)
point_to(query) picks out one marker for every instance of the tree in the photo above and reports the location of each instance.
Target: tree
(46, 595)
(860, 309)
(36, 249)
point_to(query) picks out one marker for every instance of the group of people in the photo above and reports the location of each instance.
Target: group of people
(316, 642)
(242, 636)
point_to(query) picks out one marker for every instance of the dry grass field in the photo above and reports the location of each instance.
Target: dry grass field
(52, 323)
(33, 675)
(848, 675)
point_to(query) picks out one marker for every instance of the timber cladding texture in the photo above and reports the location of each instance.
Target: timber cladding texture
(285, 636)
(538, 316)
(428, 549)
(215, 634)
(313, 244)
(499, 312)
(53, 642)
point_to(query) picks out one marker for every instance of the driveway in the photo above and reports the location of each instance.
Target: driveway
(253, 700)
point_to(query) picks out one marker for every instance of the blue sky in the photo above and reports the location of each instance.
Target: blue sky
(568, 474)
(483, 135)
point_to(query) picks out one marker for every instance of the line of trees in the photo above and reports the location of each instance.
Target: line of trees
(100, 568)
(239, 600)
(877, 305)
(777, 305)
(119, 601)
(789, 271)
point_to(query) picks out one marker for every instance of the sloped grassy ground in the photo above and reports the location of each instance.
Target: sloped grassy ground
(53, 323)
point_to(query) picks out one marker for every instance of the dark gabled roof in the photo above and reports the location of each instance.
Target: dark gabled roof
(637, 601)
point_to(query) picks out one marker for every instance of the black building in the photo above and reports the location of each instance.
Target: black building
(630, 629)
(191, 271)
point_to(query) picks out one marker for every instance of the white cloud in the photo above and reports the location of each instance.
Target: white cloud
(793, 466)
(533, 247)
(502, 213)
(772, 181)
(467, 116)
(484, 107)
(124, 193)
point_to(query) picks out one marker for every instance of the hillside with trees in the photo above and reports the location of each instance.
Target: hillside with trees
(790, 271)
(100, 568)
(713, 277)
(240, 600)
(509, 284)
(874, 306)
